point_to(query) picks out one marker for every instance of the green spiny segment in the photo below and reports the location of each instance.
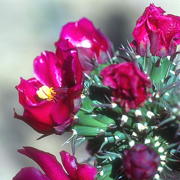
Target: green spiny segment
(114, 138)
(120, 136)
(160, 70)
(87, 104)
(87, 117)
(147, 65)
(89, 120)
(118, 130)
(105, 119)
(88, 131)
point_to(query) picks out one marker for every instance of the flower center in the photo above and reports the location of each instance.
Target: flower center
(46, 93)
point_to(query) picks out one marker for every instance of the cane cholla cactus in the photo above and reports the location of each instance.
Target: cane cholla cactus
(126, 106)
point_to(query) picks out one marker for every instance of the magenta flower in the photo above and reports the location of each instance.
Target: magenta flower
(156, 33)
(141, 162)
(91, 43)
(51, 99)
(129, 84)
(53, 169)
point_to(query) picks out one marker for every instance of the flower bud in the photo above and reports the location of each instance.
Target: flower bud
(140, 162)
(128, 83)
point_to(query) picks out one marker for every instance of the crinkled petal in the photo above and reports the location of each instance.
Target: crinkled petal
(156, 33)
(165, 30)
(129, 84)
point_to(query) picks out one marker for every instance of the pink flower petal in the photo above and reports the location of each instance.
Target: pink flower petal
(69, 163)
(69, 60)
(37, 113)
(30, 173)
(47, 70)
(90, 42)
(43, 115)
(86, 172)
(27, 91)
(47, 162)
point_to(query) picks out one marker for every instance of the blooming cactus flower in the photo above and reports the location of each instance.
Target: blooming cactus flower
(91, 43)
(50, 99)
(156, 33)
(53, 169)
(129, 84)
(140, 162)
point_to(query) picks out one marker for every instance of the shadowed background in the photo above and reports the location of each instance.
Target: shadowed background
(30, 27)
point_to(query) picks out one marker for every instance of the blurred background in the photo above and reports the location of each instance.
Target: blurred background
(30, 27)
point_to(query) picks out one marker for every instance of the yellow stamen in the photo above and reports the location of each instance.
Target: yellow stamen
(46, 93)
